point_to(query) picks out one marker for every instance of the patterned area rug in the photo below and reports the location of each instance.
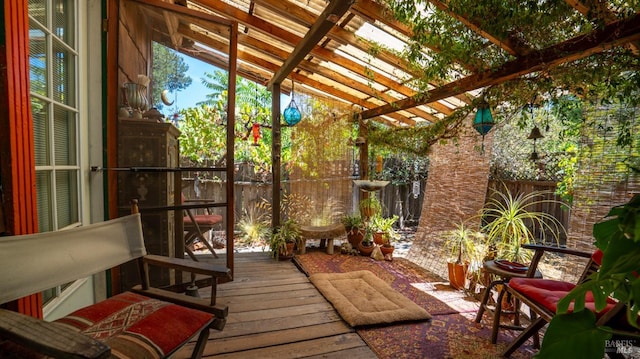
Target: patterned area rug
(451, 333)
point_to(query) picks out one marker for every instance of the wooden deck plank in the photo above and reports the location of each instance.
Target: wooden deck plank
(275, 312)
(268, 313)
(306, 348)
(269, 339)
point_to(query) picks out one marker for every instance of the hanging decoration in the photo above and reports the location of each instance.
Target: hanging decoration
(534, 135)
(292, 114)
(255, 130)
(483, 121)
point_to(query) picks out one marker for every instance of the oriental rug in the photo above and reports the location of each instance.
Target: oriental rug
(361, 298)
(451, 332)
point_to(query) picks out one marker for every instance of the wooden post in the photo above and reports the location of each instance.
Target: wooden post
(275, 155)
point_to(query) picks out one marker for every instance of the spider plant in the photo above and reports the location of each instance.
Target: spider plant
(509, 222)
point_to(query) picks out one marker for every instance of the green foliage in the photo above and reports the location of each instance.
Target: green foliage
(321, 137)
(565, 339)
(385, 226)
(463, 244)
(288, 232)
(353, 223)
(618, 236)
(203, 134)
(371, 204)
(253, 227)
(169, 73)
(204, 127)
(509, 221)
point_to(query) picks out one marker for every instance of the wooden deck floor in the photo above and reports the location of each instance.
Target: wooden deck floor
(275, 312)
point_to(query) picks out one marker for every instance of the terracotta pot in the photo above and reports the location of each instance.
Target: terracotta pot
(354, 237)
(387, 250)
(365, 250)
(378, 238)
(288, 254)
(457, 274)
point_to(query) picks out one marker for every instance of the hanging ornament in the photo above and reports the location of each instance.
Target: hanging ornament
(256, 133)
(292, 114)
(483, 121)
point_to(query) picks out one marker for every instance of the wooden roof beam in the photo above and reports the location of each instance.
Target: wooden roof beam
(271, 67)
(614, 34)
(318, 52)
(373, 11)
(325, 22)
(330, 74)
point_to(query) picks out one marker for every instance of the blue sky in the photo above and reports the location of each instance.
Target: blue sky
(196, 92)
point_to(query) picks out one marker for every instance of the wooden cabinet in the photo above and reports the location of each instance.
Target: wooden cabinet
(154, 147)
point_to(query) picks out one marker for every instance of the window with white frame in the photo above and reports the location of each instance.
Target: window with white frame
(53, 60)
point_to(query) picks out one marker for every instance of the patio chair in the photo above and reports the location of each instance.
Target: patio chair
(542, 295)
(196, 225)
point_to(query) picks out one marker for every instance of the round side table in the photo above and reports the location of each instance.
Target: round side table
(501, 276)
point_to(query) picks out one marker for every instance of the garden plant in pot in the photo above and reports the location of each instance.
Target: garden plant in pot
(462, 245)
(354, 226)
(366, 245)
(509, 221)
(382, 227)
(284, 239)
(369, 206)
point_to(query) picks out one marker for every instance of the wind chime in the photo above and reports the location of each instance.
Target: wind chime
(534, 135)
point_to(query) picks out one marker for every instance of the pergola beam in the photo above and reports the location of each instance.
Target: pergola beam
(614, 34)
(325, 22)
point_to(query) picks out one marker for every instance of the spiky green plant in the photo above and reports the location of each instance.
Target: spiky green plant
(510, 219)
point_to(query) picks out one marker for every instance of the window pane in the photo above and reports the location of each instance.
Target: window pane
(38, 60)
(40, 131)
(63, 21)
(43, 195)
(64, 78)
(49, 294)
(64, 132)
(38, 10)
(66, 198)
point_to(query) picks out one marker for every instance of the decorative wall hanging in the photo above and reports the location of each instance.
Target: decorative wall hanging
(292, 114)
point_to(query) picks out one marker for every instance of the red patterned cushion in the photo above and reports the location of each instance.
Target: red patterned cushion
(135, 326)
(204, 219)
(548, 292)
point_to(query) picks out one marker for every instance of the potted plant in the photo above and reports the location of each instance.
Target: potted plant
(382, 227)
(354, 226)
(366, 245)
(370, 206)
(462, 245)
(252, 227)
(284, 239)
(509, 220)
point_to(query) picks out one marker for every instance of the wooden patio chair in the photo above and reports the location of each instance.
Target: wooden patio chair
(143, 322)
(542, 295)
(197, 224)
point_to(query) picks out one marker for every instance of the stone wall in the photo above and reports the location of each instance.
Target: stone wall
(455, 191)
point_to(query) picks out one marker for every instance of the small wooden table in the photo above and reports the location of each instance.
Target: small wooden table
(501, 276)
(323, 233)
